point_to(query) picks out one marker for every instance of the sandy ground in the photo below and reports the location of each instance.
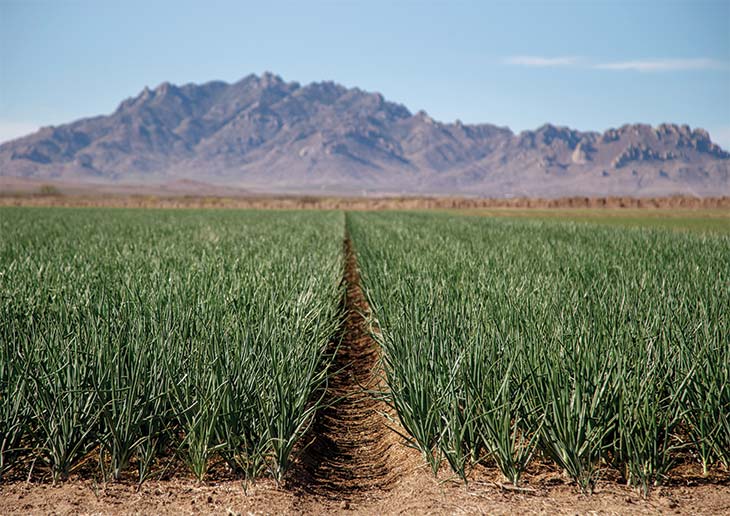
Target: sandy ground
(416, 491)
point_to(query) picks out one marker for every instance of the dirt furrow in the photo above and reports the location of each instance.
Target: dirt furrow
(350, 448)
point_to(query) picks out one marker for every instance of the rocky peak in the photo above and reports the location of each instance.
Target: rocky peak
(263, 131)
(269, 79)
(165, 88)
(549, 135)
(672, 130)
(424, 117)
(326, 92)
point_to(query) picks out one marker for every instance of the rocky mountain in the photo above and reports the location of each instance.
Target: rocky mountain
(265, 134)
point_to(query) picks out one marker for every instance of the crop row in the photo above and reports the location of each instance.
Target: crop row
(126, 336)
(595, 347)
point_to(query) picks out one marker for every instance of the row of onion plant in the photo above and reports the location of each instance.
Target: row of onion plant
(130, 338)
(595, 348)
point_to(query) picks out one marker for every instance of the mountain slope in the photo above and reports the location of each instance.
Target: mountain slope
(265, 134)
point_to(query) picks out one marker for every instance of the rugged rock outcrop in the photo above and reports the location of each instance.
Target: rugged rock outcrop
(266, 134)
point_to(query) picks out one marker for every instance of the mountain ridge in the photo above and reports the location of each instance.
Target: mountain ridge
(268, 135)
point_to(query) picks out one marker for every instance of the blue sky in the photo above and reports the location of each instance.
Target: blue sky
(589, 65)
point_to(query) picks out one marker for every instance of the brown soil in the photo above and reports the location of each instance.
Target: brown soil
(416, 492)
(351, 452)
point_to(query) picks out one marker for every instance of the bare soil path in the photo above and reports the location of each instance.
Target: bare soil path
(350, 449)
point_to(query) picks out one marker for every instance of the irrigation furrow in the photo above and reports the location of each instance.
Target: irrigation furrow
(349, 443)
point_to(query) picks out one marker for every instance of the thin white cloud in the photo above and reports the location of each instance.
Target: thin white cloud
(11, 130)
(663, 65)
(635, 65)
(542, 62)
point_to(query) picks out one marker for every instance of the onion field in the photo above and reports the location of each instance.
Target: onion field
(597, 348)
(130, 335)
(204, 341)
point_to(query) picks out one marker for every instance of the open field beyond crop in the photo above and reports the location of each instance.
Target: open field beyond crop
(523, 352)
(698, 220)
